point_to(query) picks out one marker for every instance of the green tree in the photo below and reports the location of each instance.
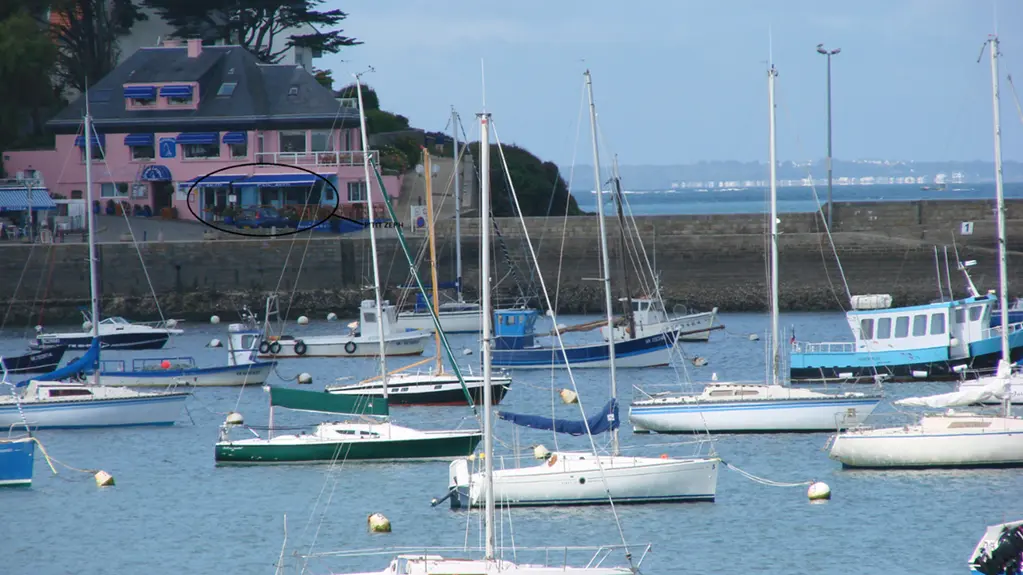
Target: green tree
(87, 32)
(325, 78)
(539, 186)
(256, 25)
(370, 100)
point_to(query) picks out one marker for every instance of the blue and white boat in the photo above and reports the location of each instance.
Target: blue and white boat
(937, 341)
(17, 458)
(515, 347)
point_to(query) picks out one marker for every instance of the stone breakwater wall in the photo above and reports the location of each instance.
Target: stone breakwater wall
(704, 261)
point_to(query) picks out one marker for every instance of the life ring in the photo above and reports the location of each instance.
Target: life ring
(300, 348)
(275, 347)
(350, 347)
(264, 347)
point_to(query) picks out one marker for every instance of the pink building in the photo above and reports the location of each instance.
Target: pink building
(169, 117)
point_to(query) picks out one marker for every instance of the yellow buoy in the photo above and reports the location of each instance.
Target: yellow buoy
(104, 479)
(541, 452)
(569, 396)
(819, 491)
(378, 523)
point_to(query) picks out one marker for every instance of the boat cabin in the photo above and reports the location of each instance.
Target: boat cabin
(645, 311)
(242, 343)
(514, 328)
(368, 316)
(46, 390)
(952, 324)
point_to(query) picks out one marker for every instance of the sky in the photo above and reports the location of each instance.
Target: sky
(683, 81)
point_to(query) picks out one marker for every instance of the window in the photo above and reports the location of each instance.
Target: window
(884, 328)
(193, 151)
(239, 150)
(77, 194)
(97, 154)
(328, 194)
(118, 190)
(960, 316)
(69, 392)
(937, 323)
(226, 89)
(902, 326)
(180, 100)
(322, 141)
(919, 325)
(141, 102)
(143, 152)
(371, 317)
(866, 329)
(259, 143)
(975, 313)
(356, 191)
(291, 141)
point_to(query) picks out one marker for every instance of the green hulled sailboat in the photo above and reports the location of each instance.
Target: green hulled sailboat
(369, 436)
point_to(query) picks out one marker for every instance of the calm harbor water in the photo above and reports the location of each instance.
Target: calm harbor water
(172, 510)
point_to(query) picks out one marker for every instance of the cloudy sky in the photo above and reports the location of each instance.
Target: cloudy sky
(680, 81)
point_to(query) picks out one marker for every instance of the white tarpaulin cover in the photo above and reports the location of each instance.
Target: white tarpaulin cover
(996, 388)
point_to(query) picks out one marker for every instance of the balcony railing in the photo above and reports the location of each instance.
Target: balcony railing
(316, 159)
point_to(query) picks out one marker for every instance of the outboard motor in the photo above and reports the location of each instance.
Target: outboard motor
(1005, 559)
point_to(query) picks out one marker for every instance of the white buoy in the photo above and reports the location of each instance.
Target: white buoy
(214, 343)
(214, 319)
(234, 418)
(378, 523)
(172, 323)
(549, 313)
(39, 328)
(818, 491)
(86, 325)
(303, 320)
(305, 378)
(466, 351)
(754, 337)
(699, 361)
(714, 376)
(104, 479)
(569, 396)
(331, 316)
(541, 452)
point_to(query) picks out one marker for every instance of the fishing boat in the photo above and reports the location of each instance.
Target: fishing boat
(758, 408)
(648, 317)
(434, 387)
(353, 343)
(999, 551)
(115, 333)
(567, 478)
(243, 367)
(41, 361)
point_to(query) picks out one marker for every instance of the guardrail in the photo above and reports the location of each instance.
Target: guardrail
(993, 332)
(317, 159)
(824, 347)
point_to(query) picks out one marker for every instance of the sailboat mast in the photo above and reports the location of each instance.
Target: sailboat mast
(93, 277)
(1003, 281)
(603, 254)
(458, 208)
(771, 74)
(372, 236)
(629, 315)
(488, 434)
(427, 170)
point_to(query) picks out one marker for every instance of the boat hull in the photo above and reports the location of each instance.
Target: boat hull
(436, 391)
(42, 361)
(122, 341)
(348, 346)
(441, 446)
(161, 409)
(17, 459)
(776, 415)
(903, 451)
(577, 479)
(649, 351)
(470, 321)
(225, 376)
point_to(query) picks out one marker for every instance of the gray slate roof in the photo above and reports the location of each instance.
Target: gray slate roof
(261, 99)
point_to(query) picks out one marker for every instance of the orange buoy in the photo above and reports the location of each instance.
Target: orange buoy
(165, 364)
(664, 456)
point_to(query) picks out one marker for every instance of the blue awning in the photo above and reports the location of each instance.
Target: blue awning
(176, 91)
(156, 173)
(140, 92)
(212, 181)
(198, 138)
(17, 200)
(283, 180)
(139, 140)
(236, 137)
(100, 140)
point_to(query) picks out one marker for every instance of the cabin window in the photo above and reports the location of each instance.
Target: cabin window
(884, 328)
(370, 317)
(69, 392)
(975, 313)
(247, 341)
(720, 393)
(919, 325)
(937, 323)
(747, 392)
(902, 326)
(866, 329)
(960, 316)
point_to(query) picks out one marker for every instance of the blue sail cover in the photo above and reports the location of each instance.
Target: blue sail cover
(602, 422)
(87, 363)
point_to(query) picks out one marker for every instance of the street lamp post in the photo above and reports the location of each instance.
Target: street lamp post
(829, 54)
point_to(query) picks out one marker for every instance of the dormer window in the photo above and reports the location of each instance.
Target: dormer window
(226, 89)
(140, 96)
(177, 95)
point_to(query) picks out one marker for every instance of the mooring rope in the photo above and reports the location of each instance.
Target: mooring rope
(762, 480)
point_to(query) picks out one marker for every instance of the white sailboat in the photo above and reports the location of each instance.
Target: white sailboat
(741, 407)
(952, 439)
(566, 478)
(435, 387)
(424, 563)
(46, 403)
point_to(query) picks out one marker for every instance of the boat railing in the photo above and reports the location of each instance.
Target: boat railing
(558, 557)
(993, 332)
(157, 363)
(823, 347)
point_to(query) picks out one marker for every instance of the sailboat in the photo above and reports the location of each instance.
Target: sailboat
(49, 403)
(740, 407)
(424, 563)
(457, 316)
(370, 435)
(952, 439)
(565, 478)
(435, 387)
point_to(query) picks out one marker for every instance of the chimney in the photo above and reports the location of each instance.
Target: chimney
(194, 47)
(170, 44)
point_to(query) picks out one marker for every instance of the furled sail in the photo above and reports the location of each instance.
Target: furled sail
(323, 402)
(602, 422)
(85, 364)
(996, 389)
